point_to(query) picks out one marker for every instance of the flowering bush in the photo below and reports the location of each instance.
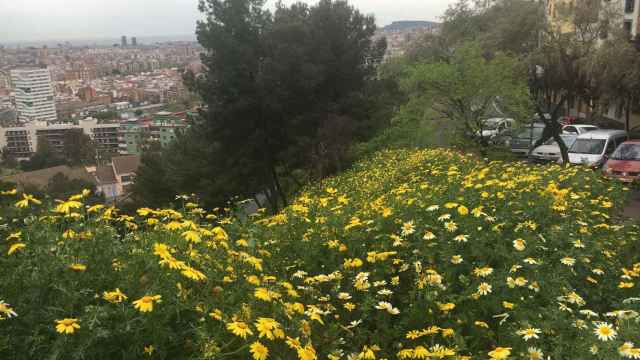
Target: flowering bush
(411, 255)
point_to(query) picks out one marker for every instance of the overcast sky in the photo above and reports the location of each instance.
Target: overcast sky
(83, 19)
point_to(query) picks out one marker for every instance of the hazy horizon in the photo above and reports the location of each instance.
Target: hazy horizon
(42, 21)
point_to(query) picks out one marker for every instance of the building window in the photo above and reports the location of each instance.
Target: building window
(627, 27)
(629, 6)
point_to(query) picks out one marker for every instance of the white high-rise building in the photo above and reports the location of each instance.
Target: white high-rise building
(34, 94)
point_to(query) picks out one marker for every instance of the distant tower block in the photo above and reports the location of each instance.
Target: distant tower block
(134, 41)
(123, 41)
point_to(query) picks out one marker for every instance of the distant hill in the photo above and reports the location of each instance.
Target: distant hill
(406, 25)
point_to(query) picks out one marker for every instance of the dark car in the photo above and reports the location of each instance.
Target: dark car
(524, 139)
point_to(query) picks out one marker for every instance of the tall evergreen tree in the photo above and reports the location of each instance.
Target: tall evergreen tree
(275, 86)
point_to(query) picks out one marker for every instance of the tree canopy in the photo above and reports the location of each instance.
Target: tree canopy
(277, 89)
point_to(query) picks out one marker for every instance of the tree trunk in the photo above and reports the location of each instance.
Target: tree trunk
(564, 151)
(278, 187)
(627, 114)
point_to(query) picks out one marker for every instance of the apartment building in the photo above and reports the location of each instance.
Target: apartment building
(136, 134)
(628, 9)
(34, 96)
(22, 141)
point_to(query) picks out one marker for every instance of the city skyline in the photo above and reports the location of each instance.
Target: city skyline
(58, 20)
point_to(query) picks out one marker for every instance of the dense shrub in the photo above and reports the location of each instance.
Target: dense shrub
(412, 254)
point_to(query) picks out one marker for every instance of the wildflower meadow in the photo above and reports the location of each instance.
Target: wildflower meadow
(412, 254)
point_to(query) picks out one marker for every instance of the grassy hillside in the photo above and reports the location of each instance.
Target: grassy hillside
(424, 254)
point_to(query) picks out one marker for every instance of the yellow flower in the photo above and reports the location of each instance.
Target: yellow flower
(26, 200)
(519, 244)
(15, 236)
(6, 312)
(352, 263)
(447, 307)
(456, 259)
(116, 296)
(529, 333)
(145, 304)
(149, 350)
(15, 247)
(216, 314)
(307, 353)
(451, 226)
(535, 353)
(78, 267)
(67, 206)
(349, 306)
(500, 353)
(269, 328)
(193, 274)
(192, 236)
(239, 328)
(95, 208)
(265, 294)
(622, 285)
(67, 326)
(483, 271)
(462, 210)
(484, 289)
(9, 192)
(605, 331)
(508, 305)
(568, 261)
(259, 351)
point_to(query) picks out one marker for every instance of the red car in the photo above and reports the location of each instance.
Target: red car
(624, 163)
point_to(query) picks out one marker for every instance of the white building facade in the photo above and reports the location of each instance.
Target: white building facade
(34, 94)
(21, 142)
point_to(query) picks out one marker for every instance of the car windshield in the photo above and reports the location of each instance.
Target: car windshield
(526, 133)
(588, 146)
(568, 140)
(627, 152)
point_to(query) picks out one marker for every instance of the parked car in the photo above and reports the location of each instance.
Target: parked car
(624, 163)
(494, 127)
(578, 129)
(592, 148)
(550, 151)
(524, 138)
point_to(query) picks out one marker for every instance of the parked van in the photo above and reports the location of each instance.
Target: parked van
(593, 148)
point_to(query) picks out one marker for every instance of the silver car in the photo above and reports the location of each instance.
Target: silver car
(550, 151)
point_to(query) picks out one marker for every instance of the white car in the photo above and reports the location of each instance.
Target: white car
(495, 126)
(550, 150)
(593, 148)
(578, 129)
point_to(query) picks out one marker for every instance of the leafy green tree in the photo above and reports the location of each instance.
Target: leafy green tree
(616, 66)
(152, 187)
(61, 187)
(560, 71)
(470, 88)
(43, 158)
(276, 85)
(78, 148)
